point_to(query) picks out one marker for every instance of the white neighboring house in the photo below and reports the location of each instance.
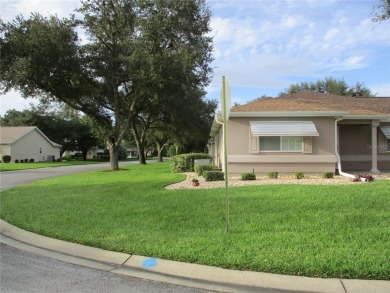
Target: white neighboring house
(27, 142)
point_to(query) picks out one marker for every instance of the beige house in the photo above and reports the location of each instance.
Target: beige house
(27, 143)
(308, 132)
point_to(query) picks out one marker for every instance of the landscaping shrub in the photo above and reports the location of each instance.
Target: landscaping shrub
(31, 161)
(68, 158)
(327, 175)
(16, 161)
(248, 176)
(200, 168)
(367, 177)
(299, 175)
(185, 162)
(6, 158)
(273, 175)
(213, 176)
(26, 160)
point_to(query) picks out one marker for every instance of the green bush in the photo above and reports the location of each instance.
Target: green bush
(68, 157)
(299, 175)
(213, 176)
(273, 175)
(327, 175)
(6, 158)
(248, 176)
(185, 162)
(16, 161)
(31, 161)
(200, 168)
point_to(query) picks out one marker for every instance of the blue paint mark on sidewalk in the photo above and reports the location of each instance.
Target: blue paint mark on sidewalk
(149, 262)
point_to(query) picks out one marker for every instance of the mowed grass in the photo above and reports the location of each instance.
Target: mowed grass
(24, 166)
(320, 231)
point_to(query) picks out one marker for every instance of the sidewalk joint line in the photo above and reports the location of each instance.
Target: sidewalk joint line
(342, 284)
(130, 255)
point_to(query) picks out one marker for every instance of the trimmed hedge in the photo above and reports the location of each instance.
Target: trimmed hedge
(200, 168)
(248, 176)
(327, 175)
(273, 175)
(185, 162)
(6, 158)
(214, 176)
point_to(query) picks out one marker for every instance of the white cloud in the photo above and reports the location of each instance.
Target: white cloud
(13, 100)
(11, 8)
(291, 21)
(331, 34)
(381, 90)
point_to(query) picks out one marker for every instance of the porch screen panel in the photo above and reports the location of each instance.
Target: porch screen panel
(386, 131)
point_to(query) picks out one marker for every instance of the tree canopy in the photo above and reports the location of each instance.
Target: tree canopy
(145, 61)
(70, 131)
(330, 85)
(381, 11)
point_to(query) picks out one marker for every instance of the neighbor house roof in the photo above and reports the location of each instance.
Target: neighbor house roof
(309, 101)
(9, 135)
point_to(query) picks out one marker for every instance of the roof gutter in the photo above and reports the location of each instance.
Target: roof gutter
(288, 114)
(337, 151)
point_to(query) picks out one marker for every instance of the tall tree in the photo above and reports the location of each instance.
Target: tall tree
(330, 85)
(126, 70)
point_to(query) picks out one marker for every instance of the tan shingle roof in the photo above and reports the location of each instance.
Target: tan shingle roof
(315, 101)
(9, 135)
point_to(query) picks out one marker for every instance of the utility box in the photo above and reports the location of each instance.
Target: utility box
(50, 158)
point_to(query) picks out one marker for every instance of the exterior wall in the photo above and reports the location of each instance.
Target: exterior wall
(33, 146)
(4, 150)
(355, 146)
(321, 159)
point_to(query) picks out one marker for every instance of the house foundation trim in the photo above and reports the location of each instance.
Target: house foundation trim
(288, 159)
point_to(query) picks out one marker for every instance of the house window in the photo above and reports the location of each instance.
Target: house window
(281, 143)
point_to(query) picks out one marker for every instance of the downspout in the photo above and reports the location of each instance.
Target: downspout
(337, 152)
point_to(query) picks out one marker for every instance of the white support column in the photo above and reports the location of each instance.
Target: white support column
(374, 147)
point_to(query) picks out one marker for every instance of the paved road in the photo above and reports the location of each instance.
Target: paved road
(27, 272)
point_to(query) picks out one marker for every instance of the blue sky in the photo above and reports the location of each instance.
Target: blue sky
(264, 46)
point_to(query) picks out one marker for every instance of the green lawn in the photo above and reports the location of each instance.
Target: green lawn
(327, 231)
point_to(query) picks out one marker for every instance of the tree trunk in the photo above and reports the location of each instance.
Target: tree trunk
(141, 154)
(159, 152)
(114, 153)
(85, 155)
(159, 155)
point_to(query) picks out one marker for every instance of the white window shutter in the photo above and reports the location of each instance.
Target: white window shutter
(307, 145)
(253, 143)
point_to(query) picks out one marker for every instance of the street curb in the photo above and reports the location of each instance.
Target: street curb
(193, 275)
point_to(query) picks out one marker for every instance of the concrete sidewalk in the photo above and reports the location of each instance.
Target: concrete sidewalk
(192, 275)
